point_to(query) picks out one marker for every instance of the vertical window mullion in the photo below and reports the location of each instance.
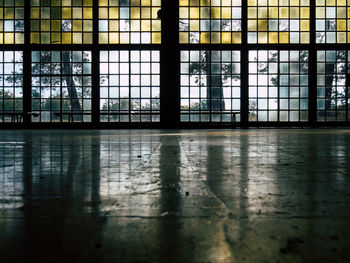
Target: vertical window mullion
(312, 67)
(244, 68)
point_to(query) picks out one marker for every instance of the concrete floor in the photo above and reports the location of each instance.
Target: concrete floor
(175, 196)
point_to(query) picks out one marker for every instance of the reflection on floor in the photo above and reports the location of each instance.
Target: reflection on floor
(175, 196)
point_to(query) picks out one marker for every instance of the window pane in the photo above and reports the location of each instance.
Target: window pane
(332, 21)
(11, 85)
(278, 85)
(130, 86)
(129, 22)
(210, 86)
(12, 22)
(279, 21)
(332, 90)
(61, 86)
(61, 22)
(210, 21)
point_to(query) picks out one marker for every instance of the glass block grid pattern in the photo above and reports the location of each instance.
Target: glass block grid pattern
(61, 22)
(11, 84)
(129, 22)
(278, 86)
(11, 21)
(130, 86)
(61, 86)
(210, 21)
(333, 85)
(210, 86)
(332, 21)
(279, 21)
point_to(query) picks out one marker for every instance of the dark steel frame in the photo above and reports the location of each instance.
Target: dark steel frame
(170, 74)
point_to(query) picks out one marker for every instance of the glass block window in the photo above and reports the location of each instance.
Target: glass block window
(333, 85)
(61, 22)
(278, 85)
(279, 21)
(129, 22)
(332, 21)
(210, 86)
(210, 21)
(61, 86)
(130, 86)
(11, 21)
(11, 85)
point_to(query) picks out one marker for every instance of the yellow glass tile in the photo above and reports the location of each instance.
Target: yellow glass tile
(1, 13)
(341, 25)
(252, 2)
(183, 12)
(348, 12)
(194, 25)
(146, 12)
(215, 38)
(320, 2)
(145, 2)
(156, 2)
(273, 2)
(34, 13)
(113, 38)
(183, 38)
(103, 13)
(9, 38)
(294, 2)
(204, 37)
(145, 25)
(341, 12)
(348, 37)
(283, 37)
(87, 26)
(55, 3)
(134, 2)
(103, 38)
(341, 2)
(135, 25)
(252, 25)
(226, 13)
(262, 37)
(19, 38)
(236, 38)
(45, 25)
(66, 38)
(114, 25)
(262, 12)
(55, 38)
(45, 38)
(77, 25)
(348, 21)
(87, 13)
(305, 12)
(304, 38)
(273, 37)
(263, 2)
(252, 12)
(1, 38)
(77, 38)
(283, 12)
(66, 2)
(34, 38)
(294, 12)
(205, 12)
(156, 38)
(135, 13)
(103, 2)
(273, 12)
(330, 2)
(155, 12)
(320, 12)
(66, 13)
(226, 38)
(226, 2)
(87, 38)
(204, 2)
(183, 2)
(9, 13)
(215, 12)
(262, 25)
(341, 37)
(194, 13)
(156, 25)
(124, 38)
(194, 2)
(304, 25)
(88, 2)
(77, 13)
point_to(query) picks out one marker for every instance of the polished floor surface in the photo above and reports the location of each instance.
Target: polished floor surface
(175, 196)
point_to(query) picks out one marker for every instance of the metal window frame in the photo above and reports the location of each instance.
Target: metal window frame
(170, 49)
